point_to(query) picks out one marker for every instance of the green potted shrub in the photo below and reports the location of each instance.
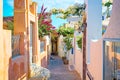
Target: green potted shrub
(68, 44)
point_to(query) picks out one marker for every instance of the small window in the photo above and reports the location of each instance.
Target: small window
(116, 47)
(42, 46)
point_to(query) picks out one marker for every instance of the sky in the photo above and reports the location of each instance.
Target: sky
(8, 8)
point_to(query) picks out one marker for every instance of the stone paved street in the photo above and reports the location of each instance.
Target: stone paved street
(59, 71)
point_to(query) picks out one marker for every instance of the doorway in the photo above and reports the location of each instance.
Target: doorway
(31, 44)
(54, 47)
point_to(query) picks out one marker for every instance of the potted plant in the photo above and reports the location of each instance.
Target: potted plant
(65, 60)
(67, 32)
(68, 46)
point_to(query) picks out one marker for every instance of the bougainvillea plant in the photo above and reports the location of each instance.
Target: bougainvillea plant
(44, 23)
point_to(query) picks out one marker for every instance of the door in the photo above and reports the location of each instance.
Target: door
(31, 43)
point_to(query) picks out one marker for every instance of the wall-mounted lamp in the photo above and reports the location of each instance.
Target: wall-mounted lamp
(82, 27)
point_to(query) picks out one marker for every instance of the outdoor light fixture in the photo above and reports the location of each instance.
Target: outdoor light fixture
(82, 28)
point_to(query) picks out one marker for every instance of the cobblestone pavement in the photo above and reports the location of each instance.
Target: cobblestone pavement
(59, 71)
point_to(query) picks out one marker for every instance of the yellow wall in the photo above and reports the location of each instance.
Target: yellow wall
(43, 57)
(7, 52)
(1, 44)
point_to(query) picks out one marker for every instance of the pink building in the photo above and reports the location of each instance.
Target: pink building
(104, 53)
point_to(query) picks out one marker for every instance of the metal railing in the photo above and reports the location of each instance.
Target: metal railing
(89, 74)
(15, 45)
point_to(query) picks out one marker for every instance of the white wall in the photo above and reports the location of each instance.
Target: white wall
(94, 23)
(60, 46)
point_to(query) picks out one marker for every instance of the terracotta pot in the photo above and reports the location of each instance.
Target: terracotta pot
(65, 61)
(63, 58)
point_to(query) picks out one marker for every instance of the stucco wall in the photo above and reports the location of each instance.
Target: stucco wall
(14, 68)
(95, 66)
(60, 46)
(7, 52)
(1, 43)
(79, 62)
(44, 56)
(113, 29)
(94, 23)
(78, 58)
(113, 32)
(43, 59)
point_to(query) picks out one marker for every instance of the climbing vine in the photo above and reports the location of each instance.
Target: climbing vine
(66, 31)
(74, 10)
(79, 41)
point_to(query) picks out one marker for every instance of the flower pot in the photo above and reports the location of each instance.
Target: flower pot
(63, 58)
(66, 62)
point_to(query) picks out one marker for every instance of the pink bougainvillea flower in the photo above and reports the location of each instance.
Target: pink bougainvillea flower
(44, 11)
(48, 29)
(46, 23)
(42, 8)
(53, 27)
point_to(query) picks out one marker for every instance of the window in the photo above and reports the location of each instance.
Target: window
(42, 46)
(112, 61)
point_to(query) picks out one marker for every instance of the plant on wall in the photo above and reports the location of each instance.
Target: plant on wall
(107, 4)
(10, 26)
(54, 35)
(79, 41)
(74, 10)
(68, 33)
(68, 43)
(44, 23)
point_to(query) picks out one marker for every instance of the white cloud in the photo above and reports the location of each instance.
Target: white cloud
(56, 3)
(51, 4)
(10, 3)
(77, 1)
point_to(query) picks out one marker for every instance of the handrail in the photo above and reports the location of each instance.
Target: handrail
(89, 74)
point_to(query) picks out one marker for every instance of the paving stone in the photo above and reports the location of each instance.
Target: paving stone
(59, 71)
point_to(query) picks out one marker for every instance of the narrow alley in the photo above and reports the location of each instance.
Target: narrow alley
(59, 71)
(60, 39)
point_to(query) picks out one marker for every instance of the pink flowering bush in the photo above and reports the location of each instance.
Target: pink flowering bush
(44, 23)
